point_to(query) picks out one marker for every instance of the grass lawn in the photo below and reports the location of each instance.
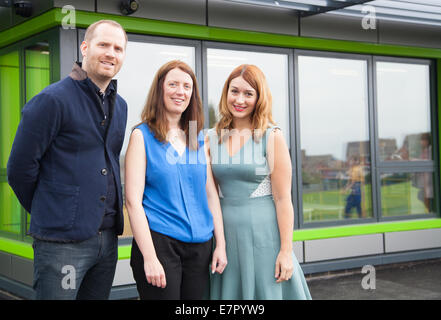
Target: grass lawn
(398, 199)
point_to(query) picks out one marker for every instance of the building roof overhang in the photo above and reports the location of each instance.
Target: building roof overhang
(408, 11)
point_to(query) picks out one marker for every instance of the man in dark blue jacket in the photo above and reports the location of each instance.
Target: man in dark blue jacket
(64, 169)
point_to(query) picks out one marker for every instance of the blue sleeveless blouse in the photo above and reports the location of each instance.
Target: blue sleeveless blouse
(175, 198)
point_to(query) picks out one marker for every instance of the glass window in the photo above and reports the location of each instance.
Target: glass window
(9, 102)
(37, 69)
(221, 62)
(334, 138)
(37, 77)
(37, 74)
(10, 209)
(10, 214)
(403, 93)
(404, 194)
(143, 60)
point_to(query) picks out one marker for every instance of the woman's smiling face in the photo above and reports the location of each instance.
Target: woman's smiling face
(241, 98)
(178, 88)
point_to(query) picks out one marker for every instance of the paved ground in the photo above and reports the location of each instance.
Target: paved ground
(408, 281)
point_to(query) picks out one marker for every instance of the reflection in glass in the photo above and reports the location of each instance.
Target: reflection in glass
(334, 138)
(403, 93)
(37, 68)
(9, 103)
(221, 62)
(10, 209)
(10, 216)
(143, 60)
(404, 194)
(37, 76)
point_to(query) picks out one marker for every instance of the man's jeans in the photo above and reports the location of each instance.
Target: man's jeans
(81, 270)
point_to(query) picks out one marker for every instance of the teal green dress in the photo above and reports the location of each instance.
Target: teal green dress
(250, 225)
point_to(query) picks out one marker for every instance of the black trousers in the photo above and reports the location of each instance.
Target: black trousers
(186, 267)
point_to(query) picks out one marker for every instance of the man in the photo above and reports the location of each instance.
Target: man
(64, 169)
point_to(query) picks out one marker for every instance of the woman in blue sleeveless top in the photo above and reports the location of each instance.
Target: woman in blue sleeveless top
(252, 165)
(171, 199)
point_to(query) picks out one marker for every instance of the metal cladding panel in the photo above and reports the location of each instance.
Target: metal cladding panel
(227, 14)
(344, 247)
(5, 18)
(123, 273)
(85, 5)
(336, 27)
(412, 240)
(68, 50)
(400, 33)
(189, 11)
(5, 264)
(38, 7)
(22, 270)
(298, 250)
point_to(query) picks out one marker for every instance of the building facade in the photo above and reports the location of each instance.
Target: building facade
(357, 100)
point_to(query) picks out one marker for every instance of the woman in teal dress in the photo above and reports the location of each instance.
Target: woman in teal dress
(252, 167)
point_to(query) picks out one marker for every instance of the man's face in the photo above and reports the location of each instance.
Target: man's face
(104, 53)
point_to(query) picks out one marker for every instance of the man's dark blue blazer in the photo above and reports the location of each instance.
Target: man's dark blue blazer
(57, 159)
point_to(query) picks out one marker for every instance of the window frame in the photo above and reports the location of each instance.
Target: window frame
(290, 108)
(344, 56)
(377, 167)
(408, 166)
(22, 94)
(51, 36)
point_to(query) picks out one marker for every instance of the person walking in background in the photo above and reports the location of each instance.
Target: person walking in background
(64, 169)
(251, 163)
(424, 180)
(355, 182)
(171, 198)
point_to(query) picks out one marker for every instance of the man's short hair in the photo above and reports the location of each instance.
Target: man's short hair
(91, 29)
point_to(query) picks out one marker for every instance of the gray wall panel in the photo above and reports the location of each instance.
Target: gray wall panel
(86, 5)
(254, 18)
(123, 273)
(68, 50)
(297, 247)
(5, 264)
(38, 7)
(336, 27)
(188, 11)
(345, 247)
(81, 34)
(22, 270)
(5, 18)
(412, 240)
(410, 34)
